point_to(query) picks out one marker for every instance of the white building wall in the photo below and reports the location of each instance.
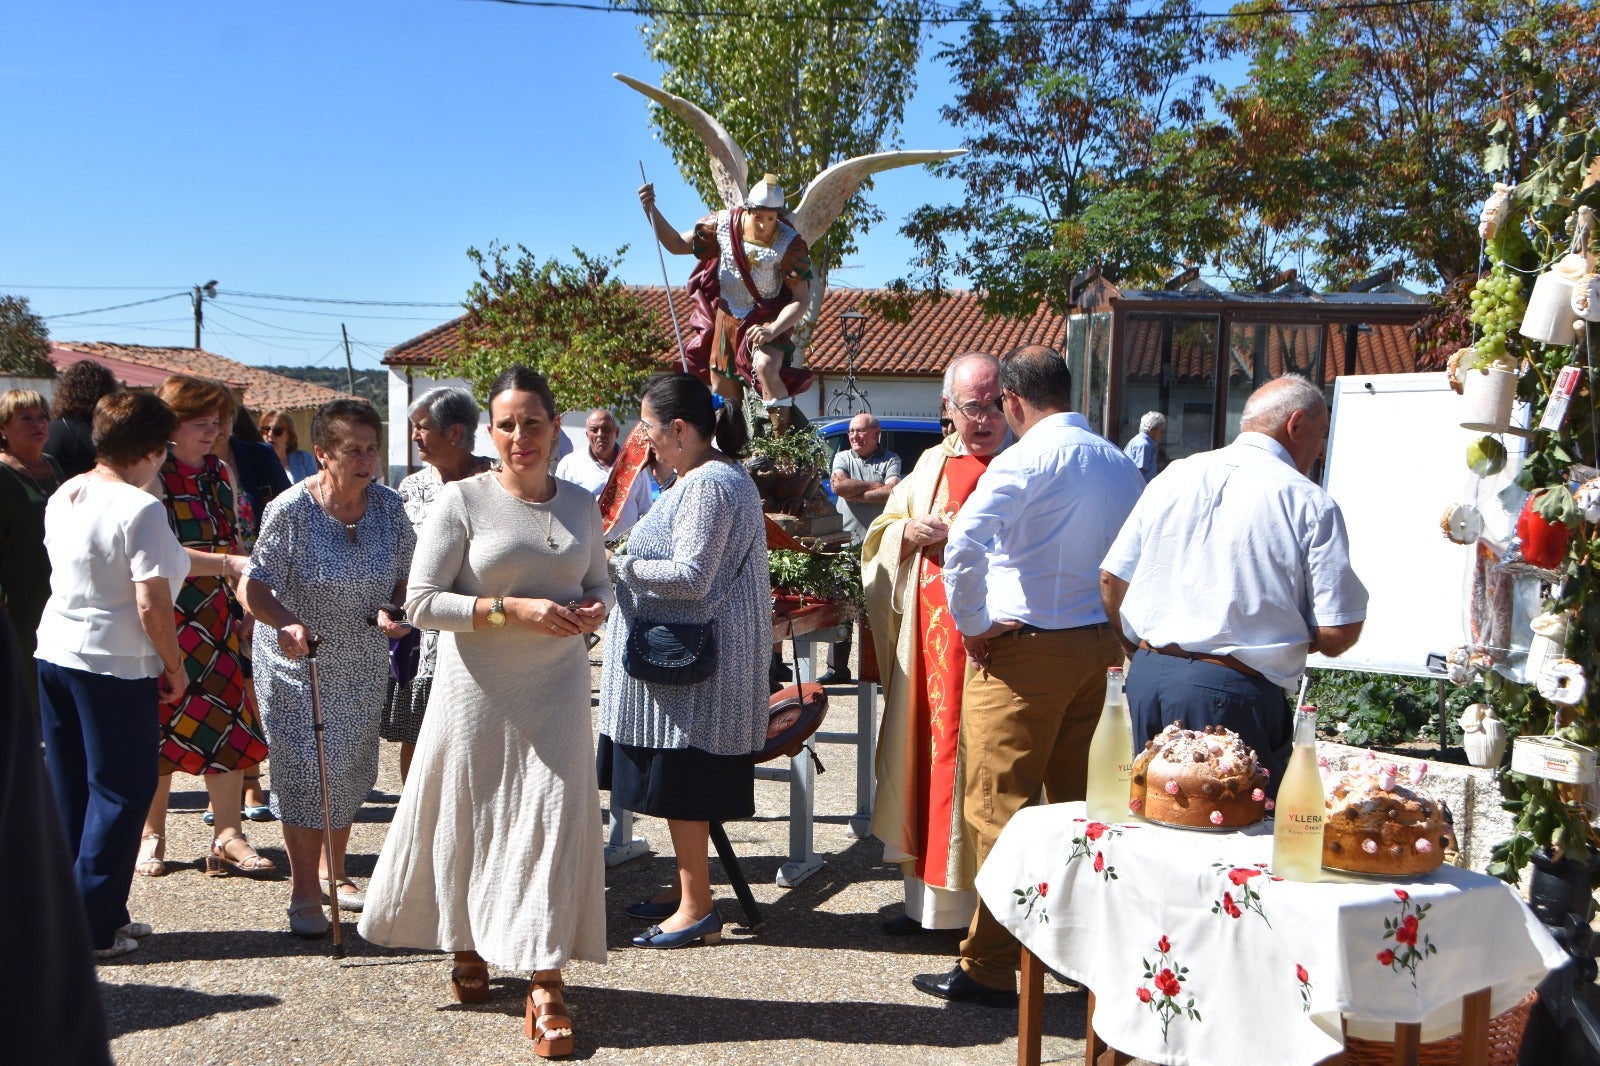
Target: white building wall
(889, 397)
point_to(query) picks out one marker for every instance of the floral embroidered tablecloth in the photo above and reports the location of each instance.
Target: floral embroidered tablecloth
(1198, 955)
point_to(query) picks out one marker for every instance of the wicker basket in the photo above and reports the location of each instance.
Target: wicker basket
(1505, 1040)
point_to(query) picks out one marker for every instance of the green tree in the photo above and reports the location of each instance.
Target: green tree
(1074, 112)
(800, 84)
(24, 340)
(1357, 138)
(573, 322)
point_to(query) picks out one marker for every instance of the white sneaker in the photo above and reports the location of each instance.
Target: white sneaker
(135, 930)
(122, 945)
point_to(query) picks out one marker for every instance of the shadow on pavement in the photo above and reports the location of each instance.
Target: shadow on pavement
(131, 1008)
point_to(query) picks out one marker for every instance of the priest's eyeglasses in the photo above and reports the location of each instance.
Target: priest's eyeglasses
(976, 410)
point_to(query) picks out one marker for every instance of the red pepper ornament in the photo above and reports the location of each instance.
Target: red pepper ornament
(1544, 543)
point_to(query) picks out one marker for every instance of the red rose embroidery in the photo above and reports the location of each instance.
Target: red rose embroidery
(1240, 874)
(1095, 830)
(1163, 945)
(1386, 957)
(1044, 889)
(1300, 973)
(1407, 933)
(1229, 907)
(1167, 983)
(1401, 894)
(1144, 995)
(1099, 862)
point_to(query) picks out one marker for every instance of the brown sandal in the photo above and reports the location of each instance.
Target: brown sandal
(469, 981)
(219, 862)
(547, 1024)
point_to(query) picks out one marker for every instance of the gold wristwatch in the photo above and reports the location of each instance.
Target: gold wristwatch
(497, 612)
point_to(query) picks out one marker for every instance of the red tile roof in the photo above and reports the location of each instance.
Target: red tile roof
(922, 346)
(263, 390)
(131, 375)
(956, 324)
(1381, 348)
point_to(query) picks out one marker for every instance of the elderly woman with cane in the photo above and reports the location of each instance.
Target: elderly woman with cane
(332, 552)
(444, 422)
(495, 853)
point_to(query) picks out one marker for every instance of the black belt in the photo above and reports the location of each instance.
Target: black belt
(1201, 656)
(1027, 627)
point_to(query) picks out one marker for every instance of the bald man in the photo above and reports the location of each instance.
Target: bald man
(591, 468)
(863, 476)
(1231, 569)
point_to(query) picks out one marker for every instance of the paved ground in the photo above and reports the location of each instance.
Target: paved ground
(223, 982)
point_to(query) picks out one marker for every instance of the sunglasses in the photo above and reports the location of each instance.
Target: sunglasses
(274, 431)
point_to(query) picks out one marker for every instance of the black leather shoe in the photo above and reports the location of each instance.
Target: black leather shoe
(957, 987)
(902, 925)
(836, 677)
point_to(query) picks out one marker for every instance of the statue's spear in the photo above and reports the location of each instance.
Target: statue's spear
(677, 331)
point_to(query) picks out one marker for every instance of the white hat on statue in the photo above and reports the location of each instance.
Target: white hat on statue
(766, 193)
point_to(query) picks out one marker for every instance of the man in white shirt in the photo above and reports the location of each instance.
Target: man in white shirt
(592, 468)
(1232, 568)
(863, 476)
(1021, 574)
(1142, 448)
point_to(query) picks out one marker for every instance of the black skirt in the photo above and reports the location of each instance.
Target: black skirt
(682, 783)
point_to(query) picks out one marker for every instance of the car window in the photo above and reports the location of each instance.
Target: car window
(908, 444)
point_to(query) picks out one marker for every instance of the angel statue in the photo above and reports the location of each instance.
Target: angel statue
(753, 282)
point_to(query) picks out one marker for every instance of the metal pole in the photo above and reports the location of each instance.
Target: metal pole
(322, 776)
(197, 316)
(677, 331)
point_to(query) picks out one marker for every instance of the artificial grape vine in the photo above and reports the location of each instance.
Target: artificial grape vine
(1497, 307)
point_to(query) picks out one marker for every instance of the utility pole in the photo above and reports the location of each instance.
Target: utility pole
(349, 368)
(200, 292)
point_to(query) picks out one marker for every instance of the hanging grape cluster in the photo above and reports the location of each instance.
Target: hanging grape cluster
(1497, 306)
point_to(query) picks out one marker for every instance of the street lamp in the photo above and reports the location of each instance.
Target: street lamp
(853, 326)
(201, 291)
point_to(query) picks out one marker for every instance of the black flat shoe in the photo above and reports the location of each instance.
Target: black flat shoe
(836, 677)
(902, 925)
(957, 987)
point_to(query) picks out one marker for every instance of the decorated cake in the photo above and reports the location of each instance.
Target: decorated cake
(1377, 824)
(1204, 779)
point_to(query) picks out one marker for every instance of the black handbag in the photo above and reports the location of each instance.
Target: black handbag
(676, 653)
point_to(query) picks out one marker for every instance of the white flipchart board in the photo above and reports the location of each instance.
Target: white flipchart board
(1396, 460)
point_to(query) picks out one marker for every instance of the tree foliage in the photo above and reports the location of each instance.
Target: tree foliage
(800, 84)
(24, 340)
(1073, 111)
(573, 322)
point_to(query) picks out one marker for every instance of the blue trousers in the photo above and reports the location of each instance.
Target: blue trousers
(101, 738)
(1164, 689)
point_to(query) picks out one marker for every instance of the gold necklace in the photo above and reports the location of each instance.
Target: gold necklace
(322, 498)
(549, 514)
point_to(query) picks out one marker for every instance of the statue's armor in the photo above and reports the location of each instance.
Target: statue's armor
(765, 266)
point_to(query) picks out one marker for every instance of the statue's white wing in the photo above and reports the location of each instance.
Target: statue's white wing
(827, 194)
(729, 168)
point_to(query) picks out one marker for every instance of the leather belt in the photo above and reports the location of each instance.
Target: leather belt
(1028, 627)
(1200, 656)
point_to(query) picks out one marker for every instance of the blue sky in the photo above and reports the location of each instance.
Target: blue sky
(335, 150)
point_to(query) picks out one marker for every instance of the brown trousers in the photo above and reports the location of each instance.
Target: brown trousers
(1026, 721)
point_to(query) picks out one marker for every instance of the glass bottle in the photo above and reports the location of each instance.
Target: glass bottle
(1301, 807)
(1110, 756)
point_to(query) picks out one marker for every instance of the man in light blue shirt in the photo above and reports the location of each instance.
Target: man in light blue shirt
(1232, 568)
(1021, 572)
(1142, 448)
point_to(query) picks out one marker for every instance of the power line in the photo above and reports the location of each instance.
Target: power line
(344, 314)
(330, 300)
(96, 288)
(115, 307)
(270, 325)
(651, 11)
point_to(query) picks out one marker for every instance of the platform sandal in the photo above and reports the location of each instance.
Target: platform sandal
(547, 1024)
(219, 863)
(469, 981)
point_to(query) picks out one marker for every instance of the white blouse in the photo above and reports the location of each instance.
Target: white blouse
(102, 538)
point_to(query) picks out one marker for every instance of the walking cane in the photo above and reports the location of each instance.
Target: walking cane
(683, 356)
(322, 776)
